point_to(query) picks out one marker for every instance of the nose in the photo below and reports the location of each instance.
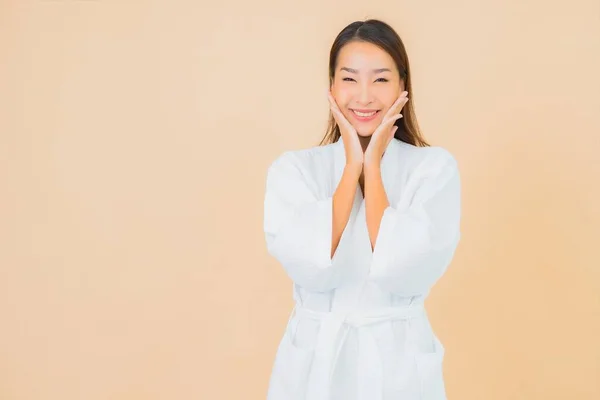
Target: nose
(364, 95)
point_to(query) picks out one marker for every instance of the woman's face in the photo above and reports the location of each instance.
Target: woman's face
(366, 80)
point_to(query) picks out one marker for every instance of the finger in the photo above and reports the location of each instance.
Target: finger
(391, 135)
(398, 104)
(332, 101)
(333, 107)
(393, 119)
(394, 113)
(386, 127)
(335, 110)
(402, 103)
(402, 100)
(340, 119)
(388, 122)
(337, 115)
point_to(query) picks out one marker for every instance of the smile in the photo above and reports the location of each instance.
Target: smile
(364, 116)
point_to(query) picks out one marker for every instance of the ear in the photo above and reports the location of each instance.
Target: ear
(332, 90)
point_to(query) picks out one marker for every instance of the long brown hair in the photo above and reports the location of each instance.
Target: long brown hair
(384, 36)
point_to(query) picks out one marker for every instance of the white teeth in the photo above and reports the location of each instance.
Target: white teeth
(360, 114)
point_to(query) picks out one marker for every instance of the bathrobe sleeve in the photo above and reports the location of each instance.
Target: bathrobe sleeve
(418, 235)
(298, 225)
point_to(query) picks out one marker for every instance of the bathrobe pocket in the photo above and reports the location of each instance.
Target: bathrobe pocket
(291, 369)
(430, 371)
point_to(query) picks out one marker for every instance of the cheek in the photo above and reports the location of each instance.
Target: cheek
(343, 101)
(391, 99)
(342, 97)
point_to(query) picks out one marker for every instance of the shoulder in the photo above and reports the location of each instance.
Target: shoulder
(302, 161)
(431, 158)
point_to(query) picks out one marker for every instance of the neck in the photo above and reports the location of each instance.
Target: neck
(364, 142)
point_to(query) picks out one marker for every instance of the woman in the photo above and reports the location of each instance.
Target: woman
(364, 225)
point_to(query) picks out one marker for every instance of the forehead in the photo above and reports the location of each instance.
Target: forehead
(364, 56)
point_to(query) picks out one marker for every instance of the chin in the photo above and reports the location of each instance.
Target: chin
(365, 131)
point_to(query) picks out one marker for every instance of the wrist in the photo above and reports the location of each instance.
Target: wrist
(372, 168)
(354, 168)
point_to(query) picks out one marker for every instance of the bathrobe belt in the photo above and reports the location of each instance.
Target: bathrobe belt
(334, 328)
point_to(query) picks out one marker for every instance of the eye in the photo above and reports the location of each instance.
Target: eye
(352, 80)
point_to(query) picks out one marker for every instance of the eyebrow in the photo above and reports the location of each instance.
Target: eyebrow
(355, 71)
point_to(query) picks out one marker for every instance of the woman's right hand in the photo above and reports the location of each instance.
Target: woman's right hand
(354, 151)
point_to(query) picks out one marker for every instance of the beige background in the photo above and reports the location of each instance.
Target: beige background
(134, 141)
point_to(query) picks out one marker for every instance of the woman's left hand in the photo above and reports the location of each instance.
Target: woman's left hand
(384, 132)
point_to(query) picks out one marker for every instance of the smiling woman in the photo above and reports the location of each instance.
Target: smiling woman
(369, 59)
(364, 226)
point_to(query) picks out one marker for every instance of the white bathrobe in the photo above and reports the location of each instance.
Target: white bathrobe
(359, 329)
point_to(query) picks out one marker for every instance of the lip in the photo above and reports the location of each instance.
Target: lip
(364, 119)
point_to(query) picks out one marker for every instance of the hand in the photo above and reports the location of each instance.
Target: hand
(352, 146)
(385, 132)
